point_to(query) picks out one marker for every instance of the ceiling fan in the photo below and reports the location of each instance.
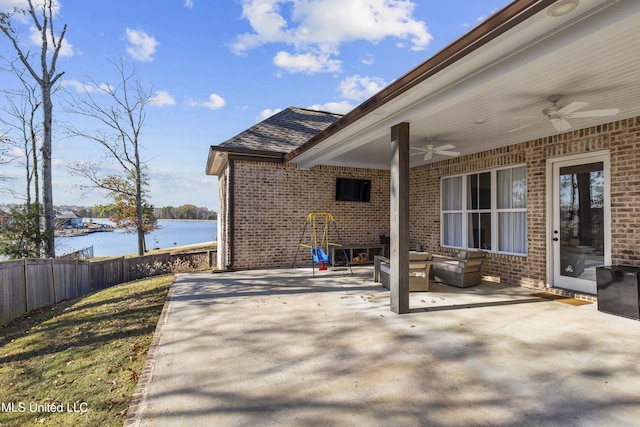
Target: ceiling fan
(558, 115)
(430, 150)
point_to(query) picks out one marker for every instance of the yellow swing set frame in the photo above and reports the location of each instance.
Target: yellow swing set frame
(320, 250)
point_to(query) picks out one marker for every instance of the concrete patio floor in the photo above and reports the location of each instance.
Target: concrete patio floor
(277, 348)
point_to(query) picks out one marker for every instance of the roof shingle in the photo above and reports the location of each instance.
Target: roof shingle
(284, 131)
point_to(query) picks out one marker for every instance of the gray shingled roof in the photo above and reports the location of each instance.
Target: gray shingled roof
(284, 131)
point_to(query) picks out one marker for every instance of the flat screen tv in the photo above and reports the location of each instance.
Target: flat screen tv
(353, 190)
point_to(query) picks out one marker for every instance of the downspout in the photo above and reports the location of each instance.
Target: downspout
(231, 214)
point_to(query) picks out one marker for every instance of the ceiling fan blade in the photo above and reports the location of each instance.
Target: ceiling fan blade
(429, 155)
(561, 125)
(448, 153)
(596, 113)
(444, 147)
(574, 106)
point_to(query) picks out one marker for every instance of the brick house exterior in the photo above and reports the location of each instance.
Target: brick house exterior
(471, 93)
(272, 201)
(621, 139)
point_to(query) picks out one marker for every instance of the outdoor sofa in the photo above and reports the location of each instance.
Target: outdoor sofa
(420, 264)
(462, 270)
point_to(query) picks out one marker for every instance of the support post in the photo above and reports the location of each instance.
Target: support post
(399, 210)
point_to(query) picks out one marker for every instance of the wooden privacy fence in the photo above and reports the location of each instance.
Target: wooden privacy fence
(28, 284)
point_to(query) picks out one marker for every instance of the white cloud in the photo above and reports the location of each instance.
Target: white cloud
(15, 152)
(77, 86)
(141, 46)
(215, 102)
(35, 38)
(367, 59)
(265, 19)
(55, 162)
(188, 3)
(268, 112)
(479, 19)
(9, 155)
(354, 88)
(80, 87)
(10, 4)
(359, 88)
(307, 63)
(161, 99)
(321, 26)
(24, 4)
(170, 187)
(342, 107)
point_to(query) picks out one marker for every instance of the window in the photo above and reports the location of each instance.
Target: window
(452, 211)
(479, 210)
(486, 210)
(512, 210)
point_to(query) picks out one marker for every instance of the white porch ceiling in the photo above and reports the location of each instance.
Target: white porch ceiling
(495, 96)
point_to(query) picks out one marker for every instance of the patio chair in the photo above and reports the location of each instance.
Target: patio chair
(419, 269)
(462, 271)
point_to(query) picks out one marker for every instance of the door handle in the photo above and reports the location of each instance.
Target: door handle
(555, 239)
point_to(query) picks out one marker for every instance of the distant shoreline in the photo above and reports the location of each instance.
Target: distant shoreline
(163, 219)
(168, 234)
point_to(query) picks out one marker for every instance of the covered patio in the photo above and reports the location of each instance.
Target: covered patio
(506, 98)
(520, 139)
(276, 347)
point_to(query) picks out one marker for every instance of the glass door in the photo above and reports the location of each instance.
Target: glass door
(580, 227)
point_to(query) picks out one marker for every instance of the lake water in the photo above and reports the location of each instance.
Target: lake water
(172, 233)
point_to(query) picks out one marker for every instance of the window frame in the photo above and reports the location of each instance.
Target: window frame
(465, 211)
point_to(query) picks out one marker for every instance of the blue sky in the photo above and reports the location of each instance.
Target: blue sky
(217, 67)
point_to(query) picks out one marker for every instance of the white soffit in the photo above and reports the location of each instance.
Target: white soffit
(595, 48)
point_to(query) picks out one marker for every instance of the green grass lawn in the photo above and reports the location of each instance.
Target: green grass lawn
(82, 356)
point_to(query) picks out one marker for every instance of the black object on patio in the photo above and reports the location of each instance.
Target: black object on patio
(618, 290)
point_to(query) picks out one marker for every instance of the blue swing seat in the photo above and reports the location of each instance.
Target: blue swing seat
(319, 256)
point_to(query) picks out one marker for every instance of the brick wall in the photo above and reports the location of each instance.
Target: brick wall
(272, 202)
(621, 138)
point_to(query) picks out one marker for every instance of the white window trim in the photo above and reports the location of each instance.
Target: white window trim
(494, 211)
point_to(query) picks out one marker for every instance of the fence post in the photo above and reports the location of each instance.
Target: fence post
(53, 280)
(26, 293)
(76, 291)
(90, 276)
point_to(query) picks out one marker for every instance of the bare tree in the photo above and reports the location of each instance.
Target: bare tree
(4, 144)
(45, 75)
(121, 120)
(23, 237)
(24, 131)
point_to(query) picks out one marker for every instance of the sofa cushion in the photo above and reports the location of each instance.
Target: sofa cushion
(420, 256)
(446, 266)
(470, 255)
